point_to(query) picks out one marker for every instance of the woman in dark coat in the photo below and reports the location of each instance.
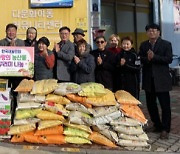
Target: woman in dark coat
(128, 67)
(31, 36)
(83, 64)
(44, 60)
(104, 63)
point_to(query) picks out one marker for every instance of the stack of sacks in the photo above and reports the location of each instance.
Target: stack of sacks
(129, 128)
(89, 112)
(32, 110)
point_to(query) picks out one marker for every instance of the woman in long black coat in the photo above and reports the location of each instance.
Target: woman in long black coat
(128, 68)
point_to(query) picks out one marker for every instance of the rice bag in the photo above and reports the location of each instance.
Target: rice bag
(52, 139)
(65, 88)
(92, 89)
(131, 143)
(129, 130)
(28, 105)
(134, 112)
(78, 99)
(48, 123)
(107, 132)
(100, 139)
(21, 129)
(101, 111)
(124, 97)
(103, 119)
(46, 115)
(43, 87)
(77, 107)
(27, 97)
(56, 108)
(25, 86)
(56, 130)
(77, 140)
(26, 121)
(105, 100)
(81, 127)
(31, 138)
(125, 121)
(76, 117)
(141, 137)
(27, 113)
(19, 138)
(57, 99)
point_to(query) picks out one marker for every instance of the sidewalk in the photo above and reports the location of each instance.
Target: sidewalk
(158, 146)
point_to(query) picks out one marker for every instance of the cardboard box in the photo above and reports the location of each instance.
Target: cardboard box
(5, 110)
(5, 124)
(5, 96)
(3, 84)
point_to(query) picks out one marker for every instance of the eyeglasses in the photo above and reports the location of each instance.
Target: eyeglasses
(100, 42)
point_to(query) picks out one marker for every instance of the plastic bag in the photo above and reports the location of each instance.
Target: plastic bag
(28, 105)
(106, 100)
(67, 88)
(26, 121)
(125, 121)
(124, 97)
(68, 131)
(100, 139)
(27, 97)
(27, 113)
(92, 89)
(21, 129)
(57, 99)
(46, 115)
(25, 86)
(132, 143)
(43, 87)
(57, 130)
(141, 137)
(48, 123)
(77, 107)
(77, 140)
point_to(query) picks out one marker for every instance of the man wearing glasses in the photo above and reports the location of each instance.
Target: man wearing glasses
(104, 63)
(156, 55)
(64, 53)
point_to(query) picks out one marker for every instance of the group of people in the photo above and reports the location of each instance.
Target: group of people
(114, 63)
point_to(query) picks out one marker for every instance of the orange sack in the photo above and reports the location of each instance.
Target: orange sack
(133, 111)
(100, 139)
(79, 99)
(57, 130)
(20, 137)
(52, 139)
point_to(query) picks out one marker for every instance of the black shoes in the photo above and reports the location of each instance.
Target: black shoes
(164, 135)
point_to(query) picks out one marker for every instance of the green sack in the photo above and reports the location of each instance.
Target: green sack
(76, 140)
(68, 131)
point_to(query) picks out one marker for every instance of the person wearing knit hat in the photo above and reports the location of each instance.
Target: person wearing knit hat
(44, 60)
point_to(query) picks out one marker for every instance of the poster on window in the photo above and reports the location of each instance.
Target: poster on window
(50, 3)
(16, 61)
(176, 11)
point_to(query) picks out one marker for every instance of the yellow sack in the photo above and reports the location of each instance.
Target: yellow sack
(48, 123)
(77, 140)
(27, 113)
(21, 129)
(106, 100)
(46, 115)
(57, 99)
(100, 139)
(92, 89)
(44, 87)
(25, 86)
(124, 97)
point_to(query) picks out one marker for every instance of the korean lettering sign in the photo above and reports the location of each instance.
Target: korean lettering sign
(16, 61)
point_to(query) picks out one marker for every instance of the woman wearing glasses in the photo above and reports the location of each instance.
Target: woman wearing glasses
(104, 63)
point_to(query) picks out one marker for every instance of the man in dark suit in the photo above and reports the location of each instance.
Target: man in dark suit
(156, 55)
(64, 52)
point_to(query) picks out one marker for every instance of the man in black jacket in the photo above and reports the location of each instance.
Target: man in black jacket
(156, 55)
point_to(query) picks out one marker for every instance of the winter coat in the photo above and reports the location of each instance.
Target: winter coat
(5, 42)
(128, 74)
(158, 67)
(63, 60)
(84, 70)
(41, 69)
(104, 72)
